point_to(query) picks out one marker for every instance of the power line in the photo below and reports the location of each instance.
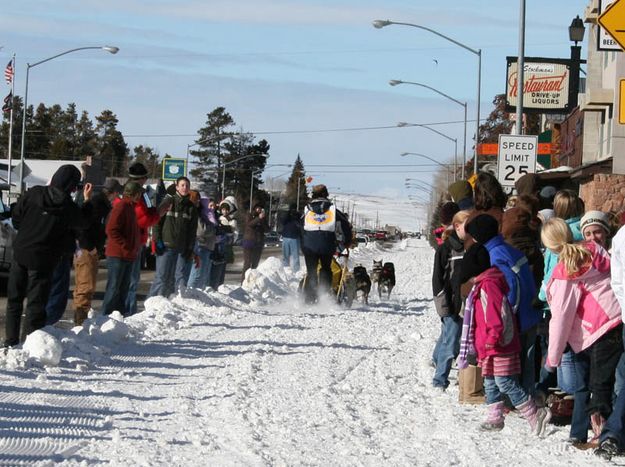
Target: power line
(289, 132)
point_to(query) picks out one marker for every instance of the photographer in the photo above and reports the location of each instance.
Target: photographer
(253, 238)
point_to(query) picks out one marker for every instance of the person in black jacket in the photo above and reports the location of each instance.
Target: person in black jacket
(44, 217)
(447, 298)
(325, 229)
(291, 229)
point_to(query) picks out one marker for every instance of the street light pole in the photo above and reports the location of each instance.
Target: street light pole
(454, 140)
(520, 70)
(107, 48)
(378, 24)
(395, 82)
(223, 179)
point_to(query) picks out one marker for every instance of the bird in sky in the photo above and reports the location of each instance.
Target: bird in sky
(435, 61)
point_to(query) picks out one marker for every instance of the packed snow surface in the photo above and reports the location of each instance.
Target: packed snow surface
(251, 376)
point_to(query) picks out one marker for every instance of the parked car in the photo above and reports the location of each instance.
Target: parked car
(361, 240)
(273, 239)
(381, 235)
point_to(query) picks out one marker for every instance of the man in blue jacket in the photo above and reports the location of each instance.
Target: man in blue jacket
(485, 230)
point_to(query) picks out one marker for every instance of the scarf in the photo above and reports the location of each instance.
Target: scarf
(467, 338)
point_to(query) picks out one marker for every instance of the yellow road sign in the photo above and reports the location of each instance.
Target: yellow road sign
(613, 21)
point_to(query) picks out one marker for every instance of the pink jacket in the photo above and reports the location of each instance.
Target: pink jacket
(496, 331)
(583, 307)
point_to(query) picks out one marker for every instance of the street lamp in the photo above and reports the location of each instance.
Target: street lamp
(395, 82)
(378, 24)
(404, 154)
(223, 179)
(254, 172)
(440, 133)
(576, 34)
(107, 48)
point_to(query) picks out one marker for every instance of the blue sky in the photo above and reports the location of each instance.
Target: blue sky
(282, 65)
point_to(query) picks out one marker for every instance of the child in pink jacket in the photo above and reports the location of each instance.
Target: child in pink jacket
(585, 314)
(493, 330)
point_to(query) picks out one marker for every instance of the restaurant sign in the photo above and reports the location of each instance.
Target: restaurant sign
(546, 85)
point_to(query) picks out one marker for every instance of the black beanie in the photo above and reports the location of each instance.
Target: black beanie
(137, 170)
(447, 212)
(482, 228)
(475, 261)
(66, 178)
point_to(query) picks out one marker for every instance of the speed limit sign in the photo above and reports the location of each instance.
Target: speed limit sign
(517, 157)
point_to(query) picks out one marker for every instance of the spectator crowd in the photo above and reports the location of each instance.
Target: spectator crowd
(530, 290)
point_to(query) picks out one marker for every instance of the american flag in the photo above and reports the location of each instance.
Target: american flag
(8, 103)
(9, 72)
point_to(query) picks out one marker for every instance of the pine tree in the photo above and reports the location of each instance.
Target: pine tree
(112, 148)
(210, 155)
(298, 177)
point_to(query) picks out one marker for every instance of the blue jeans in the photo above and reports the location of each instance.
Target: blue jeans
(620, 372)
(119, 271)
(135, 277)
(446, 349)
(200, 276)
(495, 386)
(59, 291)
(172, 271)
(290, 253)
(528, 359)
(580, 421)
(567, 375)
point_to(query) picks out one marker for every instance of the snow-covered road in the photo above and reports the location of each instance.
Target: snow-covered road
(254, 377)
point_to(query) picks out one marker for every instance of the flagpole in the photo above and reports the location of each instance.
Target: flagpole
(9, 169)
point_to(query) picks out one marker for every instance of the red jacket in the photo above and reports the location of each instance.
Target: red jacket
(146, 217)
(496, 331)
(122, 230)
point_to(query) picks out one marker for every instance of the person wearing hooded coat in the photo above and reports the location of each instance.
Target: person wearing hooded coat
(227, 232)
(521, 288)
(320, 240)
(44, 218)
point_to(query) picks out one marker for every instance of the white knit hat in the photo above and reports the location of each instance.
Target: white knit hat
(595, 218)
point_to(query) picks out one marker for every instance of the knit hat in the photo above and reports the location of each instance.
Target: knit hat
(483, 228)
(66, 178)
(475, 261)
(113, 186)
(595, 218)
(548, 192)
(447, 212)
(137, 170)
(320, 191)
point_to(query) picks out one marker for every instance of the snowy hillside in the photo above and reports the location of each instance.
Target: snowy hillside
(252, 376)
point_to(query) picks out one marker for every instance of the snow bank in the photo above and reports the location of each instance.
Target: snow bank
(99, 336)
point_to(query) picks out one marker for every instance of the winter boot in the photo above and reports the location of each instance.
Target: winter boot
(537, 418)
(461, 392)
(608, 448)
(472, 385)
(80, 315)
(596, 422)
(494, 419)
